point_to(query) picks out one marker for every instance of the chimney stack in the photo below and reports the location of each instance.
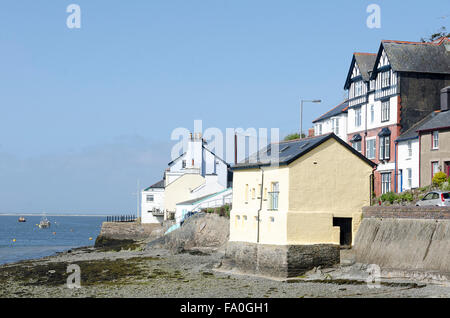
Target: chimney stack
(445, 98)
(311, 132)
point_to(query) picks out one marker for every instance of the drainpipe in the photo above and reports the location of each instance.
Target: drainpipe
(396, 169)
(260, 203)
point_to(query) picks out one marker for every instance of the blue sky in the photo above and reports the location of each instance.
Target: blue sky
(85, 113)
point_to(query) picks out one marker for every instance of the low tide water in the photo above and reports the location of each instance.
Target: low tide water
(21, 241)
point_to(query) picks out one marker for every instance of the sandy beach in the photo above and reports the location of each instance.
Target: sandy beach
(158, 272)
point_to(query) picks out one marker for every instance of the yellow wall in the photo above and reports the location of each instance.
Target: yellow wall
(330, 181)
(180, 190)
(271, 231)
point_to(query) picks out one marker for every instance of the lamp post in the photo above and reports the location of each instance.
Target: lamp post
(301, 113)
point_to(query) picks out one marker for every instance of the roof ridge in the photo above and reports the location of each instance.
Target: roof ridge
(437, 42)
(345, 101)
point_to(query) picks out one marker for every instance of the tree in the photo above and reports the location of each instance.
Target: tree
(442, 32)
(293, 136)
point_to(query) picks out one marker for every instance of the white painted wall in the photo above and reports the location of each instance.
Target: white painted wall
(327, 126)
(408, 162)
(365, 111)
(219, 199)
(147, 207)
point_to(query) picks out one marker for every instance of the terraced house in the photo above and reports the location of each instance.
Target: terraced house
(389, 92)
(334, 121)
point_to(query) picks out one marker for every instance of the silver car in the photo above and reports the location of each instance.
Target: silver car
(435, 198)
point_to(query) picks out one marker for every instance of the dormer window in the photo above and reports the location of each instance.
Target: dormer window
(183, 164)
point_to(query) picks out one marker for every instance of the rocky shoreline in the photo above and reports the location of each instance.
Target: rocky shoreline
(143, 271)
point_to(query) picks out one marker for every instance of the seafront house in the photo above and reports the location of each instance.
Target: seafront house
(334, 121)
(306, 203)
(196, 173)
(388, 93)
(434, 142)
(152, 203)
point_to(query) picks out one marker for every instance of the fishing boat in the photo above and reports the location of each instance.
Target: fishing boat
(22, 219)
(44, 224)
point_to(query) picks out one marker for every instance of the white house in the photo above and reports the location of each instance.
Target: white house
(196, 173)
(152, 203)
(214, 200)
(334, 121)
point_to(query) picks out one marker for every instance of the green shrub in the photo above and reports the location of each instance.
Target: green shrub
(389, 197)
(439, 178)
(407, 196)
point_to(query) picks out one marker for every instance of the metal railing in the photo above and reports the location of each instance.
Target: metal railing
(121, 218)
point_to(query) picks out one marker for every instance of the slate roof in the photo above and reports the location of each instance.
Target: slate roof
(365, 62)
(417, 57)
(438, 120)
(412, 133)
(433, 121)
(339, 109)
(291, 151)
(157, 185)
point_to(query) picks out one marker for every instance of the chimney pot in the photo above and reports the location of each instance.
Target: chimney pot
(445, 98)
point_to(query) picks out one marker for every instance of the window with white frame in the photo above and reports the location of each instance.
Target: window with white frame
(274, 194)
(357, 145)
(385, 111)
(150, 198)
(385, 183)
(435, 139)
(409, 175)
(372, 113)
(434, 168)
(386, 79)
(385, 148)
(358, 88)
(318, 129)
(358, 117)
(370, 148)
(409, 148)
(336, 126)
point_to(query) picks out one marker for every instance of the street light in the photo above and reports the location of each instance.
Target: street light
(301, 113)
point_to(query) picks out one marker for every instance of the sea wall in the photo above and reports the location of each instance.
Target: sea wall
(128, 230)
(405, 238)
(281, 261)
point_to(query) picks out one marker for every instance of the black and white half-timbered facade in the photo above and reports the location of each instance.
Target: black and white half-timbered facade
(388, 92)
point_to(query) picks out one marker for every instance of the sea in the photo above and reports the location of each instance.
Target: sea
(23, 241)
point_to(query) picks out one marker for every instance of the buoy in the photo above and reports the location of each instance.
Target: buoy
(54, 233)
(14, 240)
(90, 239)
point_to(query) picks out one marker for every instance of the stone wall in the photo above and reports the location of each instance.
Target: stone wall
(405, 238)
(407, 212)
(128, 230)
(281, 261)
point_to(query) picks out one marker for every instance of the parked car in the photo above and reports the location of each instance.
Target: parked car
(435, 198)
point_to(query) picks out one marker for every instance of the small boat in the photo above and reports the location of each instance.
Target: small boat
(44, 224)
(22, 219)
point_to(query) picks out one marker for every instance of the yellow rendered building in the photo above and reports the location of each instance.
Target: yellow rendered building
(314, 194)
